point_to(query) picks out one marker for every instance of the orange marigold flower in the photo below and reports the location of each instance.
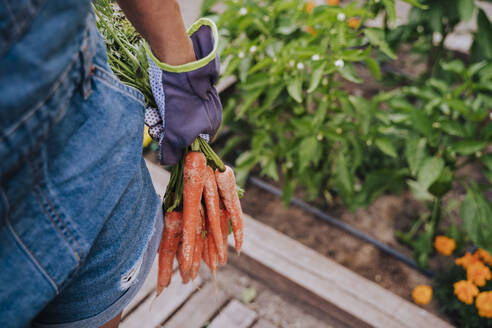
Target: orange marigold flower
(444, 245)
(478, 273)
(422, 294)
(353, 22)
(465, 291)
(310, 7)
(485, 256)
(484, 304)
(332, 2)
(467, 260)
(311, 30)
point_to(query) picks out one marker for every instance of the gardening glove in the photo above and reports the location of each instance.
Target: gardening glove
(187, 101)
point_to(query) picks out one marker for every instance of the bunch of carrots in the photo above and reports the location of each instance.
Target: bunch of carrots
(201, 203)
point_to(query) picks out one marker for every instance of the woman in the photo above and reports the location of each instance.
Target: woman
(80, 221)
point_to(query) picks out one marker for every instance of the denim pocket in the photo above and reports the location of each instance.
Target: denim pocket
(41, 223)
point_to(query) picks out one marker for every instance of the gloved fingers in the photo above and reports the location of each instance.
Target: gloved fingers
(169, 154)
(153, 120)
(201, 81)
(156, 132)
(152, 116)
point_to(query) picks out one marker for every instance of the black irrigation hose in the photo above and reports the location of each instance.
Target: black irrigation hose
(336, 222)
(342, 226)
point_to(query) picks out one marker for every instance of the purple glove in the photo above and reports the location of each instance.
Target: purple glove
(187, 101)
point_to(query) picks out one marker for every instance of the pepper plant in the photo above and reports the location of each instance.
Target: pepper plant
(445, 125)
(431, 21)
(295, 120)
(291, 61)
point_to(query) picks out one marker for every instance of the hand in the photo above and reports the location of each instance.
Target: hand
(188, 103)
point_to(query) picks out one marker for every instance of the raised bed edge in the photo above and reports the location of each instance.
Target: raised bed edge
(302, 273)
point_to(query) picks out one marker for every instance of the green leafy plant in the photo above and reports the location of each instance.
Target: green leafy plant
(430, 23)
(445, 125)
(294, 118)
(299, 122)
(124, 46)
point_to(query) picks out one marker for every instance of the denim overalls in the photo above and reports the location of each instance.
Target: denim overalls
(80, 221)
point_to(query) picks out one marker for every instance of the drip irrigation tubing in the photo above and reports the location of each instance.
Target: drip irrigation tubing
(334, 221)
(342, 226)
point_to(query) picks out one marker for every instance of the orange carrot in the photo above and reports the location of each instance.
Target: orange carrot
(205, 257)
(193, 180)
(180, 256)
(227, 189)
(211, 196)
(212, 251)
(224, 227)
(173, 225)
(199, 241)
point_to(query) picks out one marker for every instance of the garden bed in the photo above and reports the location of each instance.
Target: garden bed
(288, 285)
(310, 114)
(379, 220)
(386, 215)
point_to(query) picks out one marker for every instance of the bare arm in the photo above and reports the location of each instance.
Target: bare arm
(161, 24)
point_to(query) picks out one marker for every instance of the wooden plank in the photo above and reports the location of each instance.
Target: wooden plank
(199, 308)
(300, 272)
(297, 294)
(152, 313)
(160, 177)
(234, 315)
(340, 289)
(264, 324)
(147, 288)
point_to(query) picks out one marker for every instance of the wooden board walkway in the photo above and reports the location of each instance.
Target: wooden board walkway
(190, 305)
(292, 270)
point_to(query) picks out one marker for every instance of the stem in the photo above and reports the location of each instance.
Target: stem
(179, 185)
(121, 64)
(435, 56)
(115, 36)
(385, 23)
(168, 196)
(416, 226)
(330, 88)
(195, 146)
(174, 191)
(436, 206)
(210, 154)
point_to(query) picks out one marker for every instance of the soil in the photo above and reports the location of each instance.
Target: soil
(380, 220)
(271, 307)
